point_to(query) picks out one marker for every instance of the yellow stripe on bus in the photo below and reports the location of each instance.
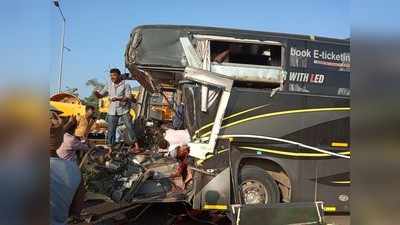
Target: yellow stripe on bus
(218, 207)
(341, 182)
(295, 154)
(231, 116)
(279, 114)
(329, 208)
(340, 144)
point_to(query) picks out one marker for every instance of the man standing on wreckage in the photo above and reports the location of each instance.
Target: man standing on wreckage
(119, 92)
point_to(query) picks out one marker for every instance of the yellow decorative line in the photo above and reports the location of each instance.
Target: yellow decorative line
(219, 207)
(340, 144)
(279, 114)
(219, 152)
(295, 154)
(330, 209)
(341, 182)
(231, 116)
(199, 162)
(286, 141)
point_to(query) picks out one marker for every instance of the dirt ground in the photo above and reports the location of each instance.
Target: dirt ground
(165, 214)
(154, 214)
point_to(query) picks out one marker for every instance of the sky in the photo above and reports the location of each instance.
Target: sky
(97, 31)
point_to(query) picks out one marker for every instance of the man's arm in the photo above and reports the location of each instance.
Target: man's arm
(127, 94)
(90, 125)
(79, 146)
(220, 58)
(102, 93)
(70, 122)
(179, 170)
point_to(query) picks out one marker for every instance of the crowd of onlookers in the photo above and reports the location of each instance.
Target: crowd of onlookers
(69, 138)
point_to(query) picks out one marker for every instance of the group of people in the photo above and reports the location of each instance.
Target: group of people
(68, 138)
(66, 186)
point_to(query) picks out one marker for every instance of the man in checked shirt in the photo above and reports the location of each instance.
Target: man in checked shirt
(119, 92)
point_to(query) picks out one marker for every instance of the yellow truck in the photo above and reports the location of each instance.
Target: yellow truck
(104, 103)
(67, 103)
(71, 105)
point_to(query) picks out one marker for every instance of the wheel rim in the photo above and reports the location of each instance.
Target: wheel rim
(254, 192)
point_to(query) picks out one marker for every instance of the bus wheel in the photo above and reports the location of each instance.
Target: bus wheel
(257, 186)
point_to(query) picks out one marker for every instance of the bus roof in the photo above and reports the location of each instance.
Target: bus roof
(239, 33)
(159, 54)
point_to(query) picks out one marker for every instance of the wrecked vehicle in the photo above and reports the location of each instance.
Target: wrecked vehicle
(267, 113)
(124, 176)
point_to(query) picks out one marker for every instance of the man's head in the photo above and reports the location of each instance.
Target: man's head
(164, 144)
(90, 111)
(71, 126)
(55, 120)
(182, 152)
(115, 75)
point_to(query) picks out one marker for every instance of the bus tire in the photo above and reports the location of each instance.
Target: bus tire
(257, 186)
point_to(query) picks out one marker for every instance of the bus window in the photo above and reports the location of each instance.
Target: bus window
(245, 53)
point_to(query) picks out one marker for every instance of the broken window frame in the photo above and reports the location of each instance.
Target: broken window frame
(200, 57)
(210, 38)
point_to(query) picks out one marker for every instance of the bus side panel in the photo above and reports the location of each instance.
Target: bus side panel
(328, 177)
(317, 68)
(316, 121)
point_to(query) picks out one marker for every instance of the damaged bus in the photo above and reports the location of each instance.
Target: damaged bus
(268, 116)
(268, 113)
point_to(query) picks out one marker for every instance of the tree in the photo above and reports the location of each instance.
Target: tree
(73, 91)
(95, 84)
(92, 99)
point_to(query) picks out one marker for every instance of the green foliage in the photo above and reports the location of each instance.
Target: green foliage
(97, 85)
(92, 99)
(73, 91)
